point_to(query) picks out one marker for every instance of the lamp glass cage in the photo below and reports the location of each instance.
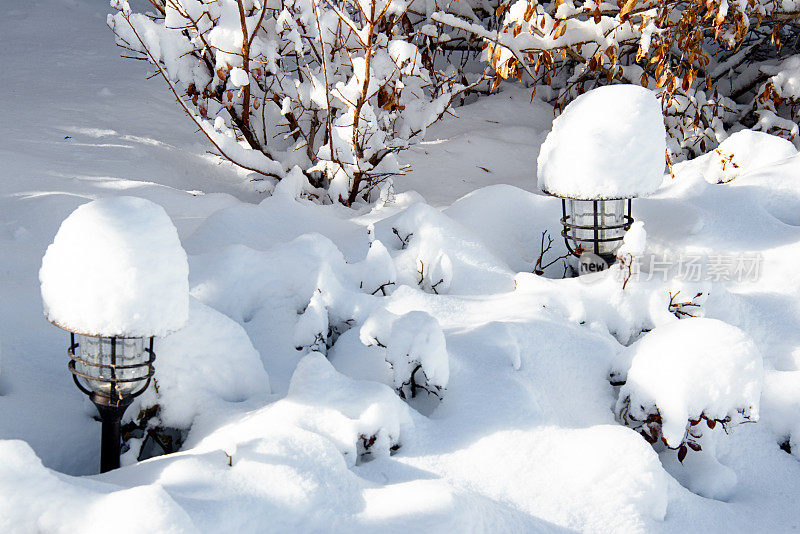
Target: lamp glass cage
(115, 368)
(596, 226)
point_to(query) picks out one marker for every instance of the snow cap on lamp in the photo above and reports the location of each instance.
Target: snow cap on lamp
(116, 268)
(608, 143)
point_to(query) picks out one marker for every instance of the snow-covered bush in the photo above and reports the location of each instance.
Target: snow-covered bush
(319, 299)
(335, 89)
(376, 273)
(687, 378)
(716, 64)
(364, 419)
(438, 255)
(414, 346)
(335, 305)
(201, 370)
(743, 152)
(203, 366)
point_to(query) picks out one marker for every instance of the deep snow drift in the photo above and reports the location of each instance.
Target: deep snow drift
(305, 321)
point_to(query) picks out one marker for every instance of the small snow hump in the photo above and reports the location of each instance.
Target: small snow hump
(608, 143)
(693, 368)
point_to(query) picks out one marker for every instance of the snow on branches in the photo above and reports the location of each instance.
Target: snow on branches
(336, 88)
(414, 346)
(714, 63)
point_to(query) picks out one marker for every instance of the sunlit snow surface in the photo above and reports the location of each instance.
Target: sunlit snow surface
(525, 439)
(608, 143)
(116, 268)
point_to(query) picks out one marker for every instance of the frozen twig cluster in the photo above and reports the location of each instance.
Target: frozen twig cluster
(647, 421)
(686, 308)
(540, 266)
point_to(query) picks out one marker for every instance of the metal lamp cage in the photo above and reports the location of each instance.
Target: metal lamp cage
(114, 397)
(599, 237)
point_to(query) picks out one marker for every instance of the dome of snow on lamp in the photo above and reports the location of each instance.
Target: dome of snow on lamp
(115, 277)
(607, 147)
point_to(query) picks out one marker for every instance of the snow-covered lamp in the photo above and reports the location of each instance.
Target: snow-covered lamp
(115, 277)
(607, 147)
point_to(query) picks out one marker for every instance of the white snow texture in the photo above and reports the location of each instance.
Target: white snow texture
(609, 142)
(116, 268)
(292, 420)
(693, 367)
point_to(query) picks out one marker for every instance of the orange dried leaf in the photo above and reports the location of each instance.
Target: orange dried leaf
(626, 9)
(529, 10)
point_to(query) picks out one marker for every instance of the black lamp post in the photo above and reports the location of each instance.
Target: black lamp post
(114, 277)
(595, 225)
(606, 148)
(112, 371)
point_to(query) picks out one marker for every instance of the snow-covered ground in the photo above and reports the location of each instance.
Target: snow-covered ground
(282, 438)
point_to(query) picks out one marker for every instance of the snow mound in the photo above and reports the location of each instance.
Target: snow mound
(411, 341)
(363, 419)
(608, 143)
(743, 152)
(634, 242)
(510, 223)
(202, 367)
(116, 267)
(781, 407)
(702, 473)
(691, 368)
(36, 499)
(376, 273)
(439, 255)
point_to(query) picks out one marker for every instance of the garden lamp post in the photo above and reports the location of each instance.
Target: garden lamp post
(606, 148)
(596, 225)
(112, 371)
(115, 277)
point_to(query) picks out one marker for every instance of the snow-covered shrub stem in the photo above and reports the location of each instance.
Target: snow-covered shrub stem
(716, 64)
(647, 421)
(335, 88)
(414, 346)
